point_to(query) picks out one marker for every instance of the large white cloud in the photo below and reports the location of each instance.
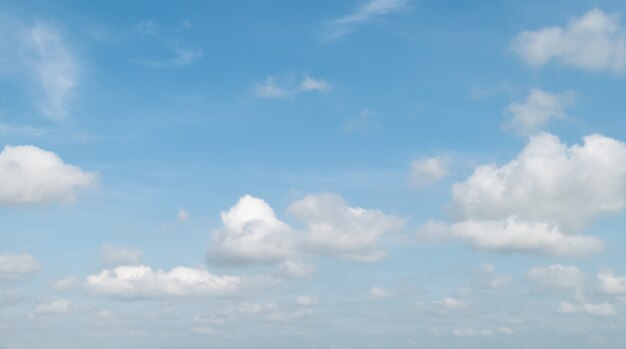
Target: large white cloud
(349, 232)
(596, 41)
(29, 174)
(14, 266)
(128, 282)
(251, 233)
(537, 110)
(541, 201)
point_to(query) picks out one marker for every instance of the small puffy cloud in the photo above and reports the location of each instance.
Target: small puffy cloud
(131, 282)
(599, 309)
(305, 301)
(611, 284)
(183, 215)
(15, 266)
(377, 292)
(595, 41)
(116, 255)
(56, 307)
(29, 175)
(556, 276)
(451, 304)
(251, 233)
(370, 10)
(548, 181)
(426, 172)
(514, 235)
(275, 87)
(487, 277)
(536, 110)
(335, 228)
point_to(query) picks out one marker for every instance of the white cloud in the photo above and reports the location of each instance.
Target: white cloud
(183, 215)
(450, 303)
(428, 171)
(611, 284)
(596, 41)
(514, 235)
(29, 174)
(556, 276)
(599, 309)
(55, 68)
(251, 233)
(129, 282)
(65, 284)
(548, 181)
(537, 110)
(182, 56)
(56, 307)
(484, 332)
(116, 255)
(377, 292)
(305, 301)
(275, 87)
(370, 10)
(487, 277)
(296, 268)
(349, 232)
(15, 266)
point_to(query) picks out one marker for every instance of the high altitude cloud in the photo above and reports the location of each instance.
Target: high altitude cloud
(368, 11)
(596, 41)
(15, 266)
(540, 201)
(426, 172)
(536, 110)
(130, 282)
(276, 87)
(349, 232)
(251, 232)
(29, 174)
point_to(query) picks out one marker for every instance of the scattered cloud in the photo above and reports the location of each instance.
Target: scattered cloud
(536, 111)
(65, 284)
(349, 232)
(275, 87)
(147, 27)
(556, 276)
(15, 266)
(428, 171)
(611, 284)
(116, 255)
(29, 175)
(377, 292)
(131, 282)
(596, 41)
(487, 277)
(305, 301)
(361, 123)
(368, 11)
(183, 215)
(485, 332)
(599, 309)
(182, 53)
(56, 307)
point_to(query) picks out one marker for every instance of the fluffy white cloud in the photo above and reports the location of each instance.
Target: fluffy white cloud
(596, 41)
(15, 266)
(514, 235)
(368, 11)
(128, 282)
(537, 110)
(611, 284)
(56, 307)
(284, 87)
(335, 228)
(116, 255)
(548, 181)
(251, 233)
(29, 174)
(556, 276)
(426, 172)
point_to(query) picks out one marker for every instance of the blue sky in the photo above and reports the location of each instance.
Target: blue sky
(368, 173)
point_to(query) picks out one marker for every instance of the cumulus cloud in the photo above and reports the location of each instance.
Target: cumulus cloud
(130, 282)
(368, 11)
(29, 175)
(426, 172)
(15, 266)
(537, 110)
(595, 41)
(556, 276)
(275, 87)
(116, 255)
(349, 232)
(611, 284)
(251, 233)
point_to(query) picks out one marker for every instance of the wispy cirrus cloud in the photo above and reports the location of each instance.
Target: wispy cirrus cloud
(277, 87)
(368, 11)
(182, 53)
